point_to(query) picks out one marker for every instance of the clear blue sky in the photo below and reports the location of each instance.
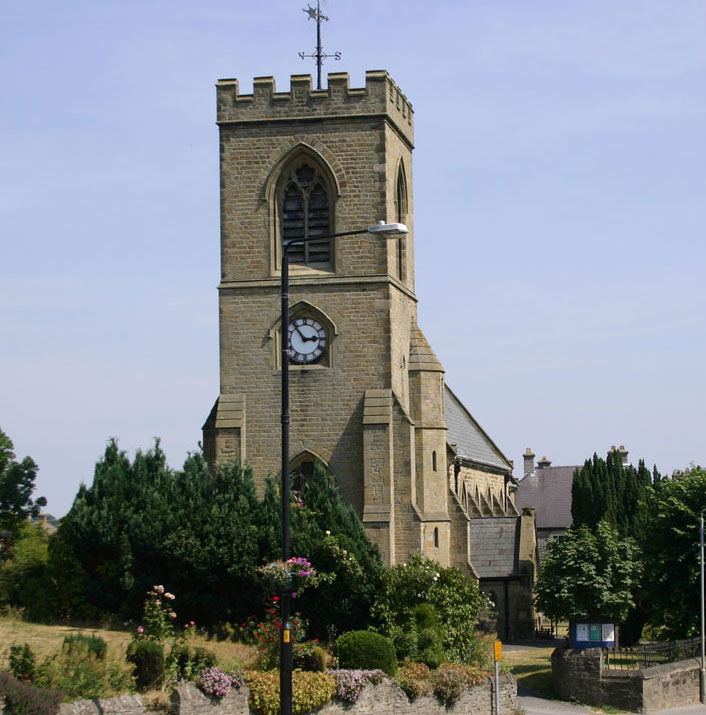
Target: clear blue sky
(560, 209)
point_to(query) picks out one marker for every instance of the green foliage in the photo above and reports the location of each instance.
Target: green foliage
(23, 699)
(81, 674)
(142, 523)
(454, 596)
(606, 490)
(310, 691)
(95, 644)
(366, 650)
(186, 662)
(16, 487)
(267, 638)
(148, 659)
(671, 552)
(450, 680)
(429, 641)
(589, 575)
(24, 582)
(22, 662)
(328, 531)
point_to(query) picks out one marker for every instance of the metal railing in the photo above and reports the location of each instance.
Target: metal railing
(648, 654)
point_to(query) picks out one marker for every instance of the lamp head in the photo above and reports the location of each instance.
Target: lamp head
(388, 228)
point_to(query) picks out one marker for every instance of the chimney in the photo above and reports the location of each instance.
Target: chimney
(529, 461)
(624, 455)
(543, 462)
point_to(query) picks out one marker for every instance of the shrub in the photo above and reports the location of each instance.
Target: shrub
(81, 674)
(314, 659)
(185, 663)
(450, 680)
(148, 659)
(309, 691)
(454, 596)
(414, 679)
(405, 642)
(366, 650)
(22, 663)
(267, 637)
(350, 683)
(217, 683)
(429, 641)
(22, 699)
(95, 644)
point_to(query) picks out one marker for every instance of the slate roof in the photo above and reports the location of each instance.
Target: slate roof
(468, 436)
(495, 546)
(548, 490)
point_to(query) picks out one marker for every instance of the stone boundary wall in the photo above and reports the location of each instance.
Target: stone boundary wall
(579, 675)
(383, 699)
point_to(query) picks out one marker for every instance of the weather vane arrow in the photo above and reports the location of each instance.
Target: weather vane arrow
(319, 55)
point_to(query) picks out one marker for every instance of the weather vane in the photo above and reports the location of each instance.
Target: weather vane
(319, 55)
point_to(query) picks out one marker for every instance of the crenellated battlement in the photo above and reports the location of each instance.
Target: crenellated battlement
(379, 96)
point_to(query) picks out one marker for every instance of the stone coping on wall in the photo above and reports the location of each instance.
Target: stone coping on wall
(383, 699)
(579, 675)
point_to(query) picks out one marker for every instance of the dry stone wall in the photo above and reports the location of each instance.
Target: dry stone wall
(383, 699)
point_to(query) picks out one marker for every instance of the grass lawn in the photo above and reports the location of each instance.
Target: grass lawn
(532, 666)
(46, 640)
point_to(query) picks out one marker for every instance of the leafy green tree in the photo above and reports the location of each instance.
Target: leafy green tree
(671, 552)
(591, 574)
(16, 487)
(22, 578)
(455, 598)
(330, 534)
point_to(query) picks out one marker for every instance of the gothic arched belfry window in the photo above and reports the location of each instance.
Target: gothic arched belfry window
(305, 211)
(401, 217)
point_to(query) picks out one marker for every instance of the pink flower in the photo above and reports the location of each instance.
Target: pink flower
(191, 623)
(158, 589)
(172, 615)
(140, 629)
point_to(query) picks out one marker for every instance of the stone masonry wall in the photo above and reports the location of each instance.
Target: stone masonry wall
(383, 699)
(579, 675)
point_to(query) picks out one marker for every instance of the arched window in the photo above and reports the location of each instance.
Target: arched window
(436, 537)
(401, 217)
(305, 211)
(433, 460)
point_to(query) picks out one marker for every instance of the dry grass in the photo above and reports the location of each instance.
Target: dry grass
(46, 640)
(532, 666)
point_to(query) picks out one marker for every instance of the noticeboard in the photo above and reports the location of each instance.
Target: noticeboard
(593, 634)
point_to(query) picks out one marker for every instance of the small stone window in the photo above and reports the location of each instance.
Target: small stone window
(433, 460)
(436, 537)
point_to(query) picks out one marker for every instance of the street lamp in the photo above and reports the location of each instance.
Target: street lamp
(702, 672)
(285, 662)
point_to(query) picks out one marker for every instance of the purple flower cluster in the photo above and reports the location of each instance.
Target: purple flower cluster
(303, 566)
(216, 683)
(350, 683)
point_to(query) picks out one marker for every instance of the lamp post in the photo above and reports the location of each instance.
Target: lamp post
(702, 672)
(285, 662)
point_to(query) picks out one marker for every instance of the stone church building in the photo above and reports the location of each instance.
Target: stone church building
(367, 393)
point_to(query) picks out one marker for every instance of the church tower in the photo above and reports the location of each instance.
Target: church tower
(366, 390)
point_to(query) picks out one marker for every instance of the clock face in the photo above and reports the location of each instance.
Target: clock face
(307, 341)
